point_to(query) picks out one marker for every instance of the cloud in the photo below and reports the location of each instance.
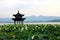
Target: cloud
(53, 8)
(30, 7)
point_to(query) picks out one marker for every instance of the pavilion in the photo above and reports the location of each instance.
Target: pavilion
(18, 18)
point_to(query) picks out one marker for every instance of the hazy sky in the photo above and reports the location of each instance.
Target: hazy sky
(29, 7)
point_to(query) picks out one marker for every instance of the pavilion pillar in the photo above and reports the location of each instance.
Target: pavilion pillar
(21, 22)
(14, 22)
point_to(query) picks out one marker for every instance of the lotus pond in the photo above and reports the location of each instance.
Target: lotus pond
(30, 32)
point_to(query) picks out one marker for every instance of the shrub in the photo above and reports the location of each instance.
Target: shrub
(30, 32)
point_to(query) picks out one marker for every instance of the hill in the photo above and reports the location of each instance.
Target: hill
(34, 18)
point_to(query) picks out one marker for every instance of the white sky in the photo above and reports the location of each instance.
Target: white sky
(29, 7)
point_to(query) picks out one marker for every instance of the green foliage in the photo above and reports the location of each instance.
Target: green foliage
(30, 32)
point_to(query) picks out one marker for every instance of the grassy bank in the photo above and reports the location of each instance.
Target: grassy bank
(30, 32)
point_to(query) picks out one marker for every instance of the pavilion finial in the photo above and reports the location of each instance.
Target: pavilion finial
(18, 11)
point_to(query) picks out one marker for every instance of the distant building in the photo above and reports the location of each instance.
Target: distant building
(18, 18)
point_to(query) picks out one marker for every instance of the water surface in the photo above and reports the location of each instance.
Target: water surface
(34, 23)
